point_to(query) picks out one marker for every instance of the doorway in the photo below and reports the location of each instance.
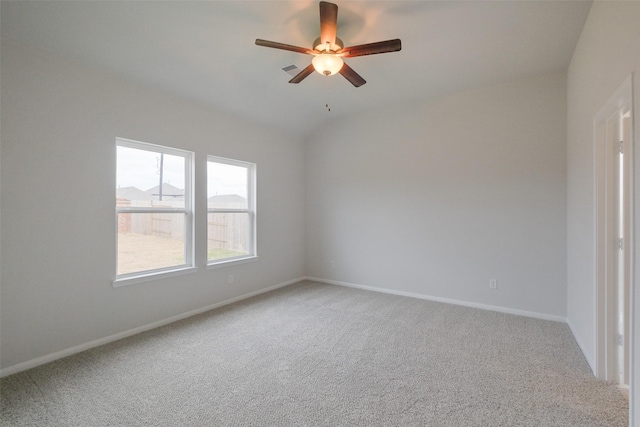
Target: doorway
(613, 155)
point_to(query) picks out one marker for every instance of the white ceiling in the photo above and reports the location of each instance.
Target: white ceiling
(205, 50)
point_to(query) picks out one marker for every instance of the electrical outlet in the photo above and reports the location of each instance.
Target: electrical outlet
(493, 283)
(231, 278)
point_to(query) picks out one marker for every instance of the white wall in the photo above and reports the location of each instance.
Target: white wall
(59, 124)
(435, 199)
(607, 53)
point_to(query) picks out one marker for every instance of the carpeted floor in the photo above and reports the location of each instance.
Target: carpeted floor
(319, 355)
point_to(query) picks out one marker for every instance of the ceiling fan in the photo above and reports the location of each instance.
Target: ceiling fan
(328, 50)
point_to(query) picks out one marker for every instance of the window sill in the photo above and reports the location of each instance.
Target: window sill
(149, 276)
(228, 263)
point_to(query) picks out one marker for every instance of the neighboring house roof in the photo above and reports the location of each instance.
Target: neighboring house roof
(132, 193)
(227, 201)
(169, 192)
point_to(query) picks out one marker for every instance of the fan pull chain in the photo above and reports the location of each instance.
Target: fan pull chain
(327, 86)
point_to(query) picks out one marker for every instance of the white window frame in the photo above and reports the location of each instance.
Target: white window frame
(250, 210)
(187, 210)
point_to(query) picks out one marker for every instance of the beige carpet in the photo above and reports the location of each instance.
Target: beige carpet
(320, 355)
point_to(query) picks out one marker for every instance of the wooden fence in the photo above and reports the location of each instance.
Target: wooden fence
(224, 230)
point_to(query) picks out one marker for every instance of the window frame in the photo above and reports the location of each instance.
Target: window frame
(188, 211)
(251, 210)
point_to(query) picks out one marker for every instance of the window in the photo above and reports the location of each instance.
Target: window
(153, 208)
(231, 213)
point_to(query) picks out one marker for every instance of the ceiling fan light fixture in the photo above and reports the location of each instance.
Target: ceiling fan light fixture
(327, 64)
(328, 50)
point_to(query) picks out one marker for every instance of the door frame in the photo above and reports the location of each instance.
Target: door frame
(606, 132)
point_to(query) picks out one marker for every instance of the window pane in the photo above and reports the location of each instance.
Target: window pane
(148, 241)
(228, 235)
(139, 174)
(226, 186)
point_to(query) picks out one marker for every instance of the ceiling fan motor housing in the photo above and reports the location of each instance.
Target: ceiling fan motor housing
(319, 45)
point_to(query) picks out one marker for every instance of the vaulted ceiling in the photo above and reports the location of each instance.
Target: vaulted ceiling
(205, 50)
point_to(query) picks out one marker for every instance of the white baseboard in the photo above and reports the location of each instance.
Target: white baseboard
(86, 346)
(499, 309)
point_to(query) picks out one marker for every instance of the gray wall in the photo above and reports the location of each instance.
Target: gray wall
(59, 124)
(607, 53)
(438, 198)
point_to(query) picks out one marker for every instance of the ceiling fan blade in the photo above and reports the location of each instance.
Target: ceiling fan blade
(328, 22)
(372, 48)
(302, 74)
(283, 46)
(352, 76)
